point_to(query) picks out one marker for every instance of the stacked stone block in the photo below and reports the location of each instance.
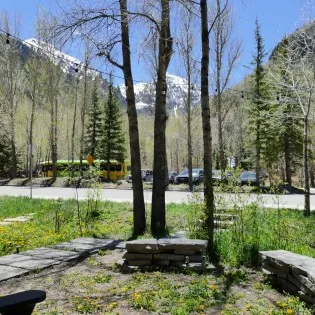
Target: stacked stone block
(293, 273)
(172, 254)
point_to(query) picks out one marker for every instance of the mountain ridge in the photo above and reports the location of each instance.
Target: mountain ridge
(177, 87)
(176, 97)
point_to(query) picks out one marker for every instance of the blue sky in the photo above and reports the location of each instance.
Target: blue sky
(277, 18)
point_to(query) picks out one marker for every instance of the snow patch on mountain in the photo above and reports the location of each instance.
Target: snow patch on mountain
(176, 98)
(67, 63)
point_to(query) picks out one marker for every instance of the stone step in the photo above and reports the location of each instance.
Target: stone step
(293, 272)
(223, 224)
(225, 216)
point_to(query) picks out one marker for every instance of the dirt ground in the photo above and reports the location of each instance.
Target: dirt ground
(96, 286)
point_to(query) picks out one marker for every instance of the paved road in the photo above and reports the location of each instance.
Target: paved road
(271, 201)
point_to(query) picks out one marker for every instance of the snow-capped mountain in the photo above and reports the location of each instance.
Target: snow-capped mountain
(67, 63)
(177, 89)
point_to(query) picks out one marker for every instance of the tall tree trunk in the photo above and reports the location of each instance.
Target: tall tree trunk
(54, 122)
(207, 138)
(83, 110)
(159, 160)
(12, 122)
(312, 177)
(307, 210)
(258, 151)
(12, 140)
(31, 149)
(139, 223)
(220, 132)
(189, 142)
(287, 160)
(74, 121)
(109, 136)
(218, 36)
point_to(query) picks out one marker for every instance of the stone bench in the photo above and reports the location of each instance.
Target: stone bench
(292, 272)
(21, 303)
(170, 254)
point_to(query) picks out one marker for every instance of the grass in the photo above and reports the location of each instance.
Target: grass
(100, 289)
(266, 229)
(58, 220)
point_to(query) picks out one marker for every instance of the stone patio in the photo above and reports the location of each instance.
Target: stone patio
(21, 264)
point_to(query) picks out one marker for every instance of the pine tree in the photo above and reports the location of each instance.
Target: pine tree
(94, 125)
(289, 125)
(113, 142)
(5, 155)
(259, 109)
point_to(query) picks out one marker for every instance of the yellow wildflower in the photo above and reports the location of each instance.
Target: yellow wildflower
(212, 287)
(113, 305)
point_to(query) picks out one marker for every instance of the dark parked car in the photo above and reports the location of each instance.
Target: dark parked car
(171, 177)
(197, 176)
(147, 175)
(248, 178)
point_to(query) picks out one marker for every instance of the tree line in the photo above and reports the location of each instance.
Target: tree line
(263, 123)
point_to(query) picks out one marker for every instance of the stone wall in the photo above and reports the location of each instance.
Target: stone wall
(170, 254)
(293, 273)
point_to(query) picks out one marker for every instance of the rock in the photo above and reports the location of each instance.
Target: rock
(179, 264)
(137, 256)
(287, 286)
(196, 258)
(139, 262)
(196, 266)
(295, 273)
(274, 271)
(182, 244)
(142, 246)
(171, 257)
(210, 267)
(303, 284)
(306, 298)
(167, 253)
(298, 271)
(184, 252)
(279, 265)
(162, 262)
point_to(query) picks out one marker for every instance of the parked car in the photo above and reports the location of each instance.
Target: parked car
(197, 176)
(147, 175)
(171, 177)
(128, 179)
(248, 178)
(216, 176)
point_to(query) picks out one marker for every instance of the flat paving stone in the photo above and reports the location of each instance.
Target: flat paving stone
(27, 262)
(94, 241)
(121, 245)
(142, 246)
(8, 272)
(17, 219)
(182, 243)
(51, 253)
(5, 223)
(88, 245)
